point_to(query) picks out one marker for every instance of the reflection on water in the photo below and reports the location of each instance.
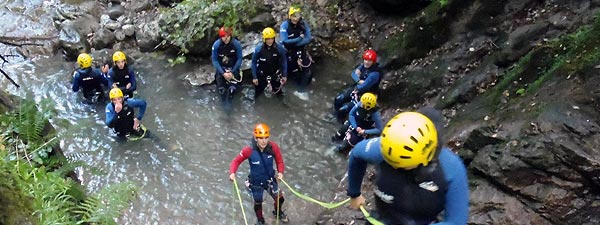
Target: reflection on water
(183, 176)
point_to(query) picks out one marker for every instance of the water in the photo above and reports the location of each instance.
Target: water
(183, 177)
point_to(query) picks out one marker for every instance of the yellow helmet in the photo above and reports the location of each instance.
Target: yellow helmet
(409, 140)
(115, 93)
(293, 10)
(84, 60)
(268, 33)
(368, 100)
(118, 56)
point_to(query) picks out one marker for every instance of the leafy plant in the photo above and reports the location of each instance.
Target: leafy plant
(192, 20)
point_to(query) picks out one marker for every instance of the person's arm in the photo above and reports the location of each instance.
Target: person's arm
(215, 58)
(76, 78)
(111, 115)
(255, 61)
(369, 82)
(307, 36)
(283, 59)
(99, 76)
(238, 51)
(351, 117)
(235, 163)
(456, 207)
(138, 103)
(283, 35)
(355, 76)
(378, 124)
(365, 152)
(109, 78)
(278, 157)
(132, 79)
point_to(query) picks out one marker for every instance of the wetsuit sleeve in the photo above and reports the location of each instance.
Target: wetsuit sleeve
(132, 80)
(109, 78)
(99, 76)
(76, 80)
(238, 50)
(235, 163)
(355, 76)
(140, 104)
(378, 124)
(364, 153)
(456, 209)
(255, 62)
(110, 115)
(351, 117)
(282, 59)
(283, 34)
(369, 82)
(215, 58)
(278, 157)
(307, 35)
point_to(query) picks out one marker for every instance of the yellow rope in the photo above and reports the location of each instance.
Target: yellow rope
(237, 190)
(323, 204)
(369, 218)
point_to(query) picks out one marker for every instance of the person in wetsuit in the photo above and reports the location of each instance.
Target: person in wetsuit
(227, 58)
(261, 154)
(295, 36)
(121, 75)
(269, 66)
(417, 179)
(120, 114)
(364, 120)
(89, 80)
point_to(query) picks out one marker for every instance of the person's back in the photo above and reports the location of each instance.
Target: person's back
(89, 79)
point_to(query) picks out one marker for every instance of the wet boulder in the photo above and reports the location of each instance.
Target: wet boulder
(201, 75)
(72, 42)
(148, 34)
(115, 11)
(141, 5)
(103, 38)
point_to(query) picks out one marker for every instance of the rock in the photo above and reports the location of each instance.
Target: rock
(84, 24)
(261, 21)
(102, 38)
(128, 29)
(168, 2)
(560, 21)
(120, 35)
(141, 5)
(102, 56)
(249, 42)
(490, 205)
(202, 75)
(105, 19)
(148, 35)
(72, 42)
(115, 11)
(112, 25)
(521, 38)
(595, 3)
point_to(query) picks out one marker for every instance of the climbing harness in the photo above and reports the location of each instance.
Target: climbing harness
(369, 218)
(300, 63)
(323, 204)
(269, 88)
(237, 190)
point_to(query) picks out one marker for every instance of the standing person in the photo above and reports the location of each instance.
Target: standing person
(89, 79)
(366, 77)
(121, 116)
(364, 120)
(260, 155)
(417, 178)
(295, 35)
(269, 66)
(227, 59)
(121, 75)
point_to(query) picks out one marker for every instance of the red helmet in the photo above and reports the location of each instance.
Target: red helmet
(224, 31)
(370, 55)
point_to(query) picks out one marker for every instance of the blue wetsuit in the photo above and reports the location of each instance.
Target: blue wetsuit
(121, 77)
(406, 198)
(227, 57)
(91, 81)
(122, 122)
(268, 65)
(371, 78)
(291, 38)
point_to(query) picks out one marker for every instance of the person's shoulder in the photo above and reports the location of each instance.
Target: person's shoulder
(285, 24)
(450, 160)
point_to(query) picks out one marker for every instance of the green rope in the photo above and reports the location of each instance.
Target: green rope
(369, 218)
(237, 190)
(139, 137)
(323, 204)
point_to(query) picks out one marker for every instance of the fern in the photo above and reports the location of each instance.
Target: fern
(106, 205)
